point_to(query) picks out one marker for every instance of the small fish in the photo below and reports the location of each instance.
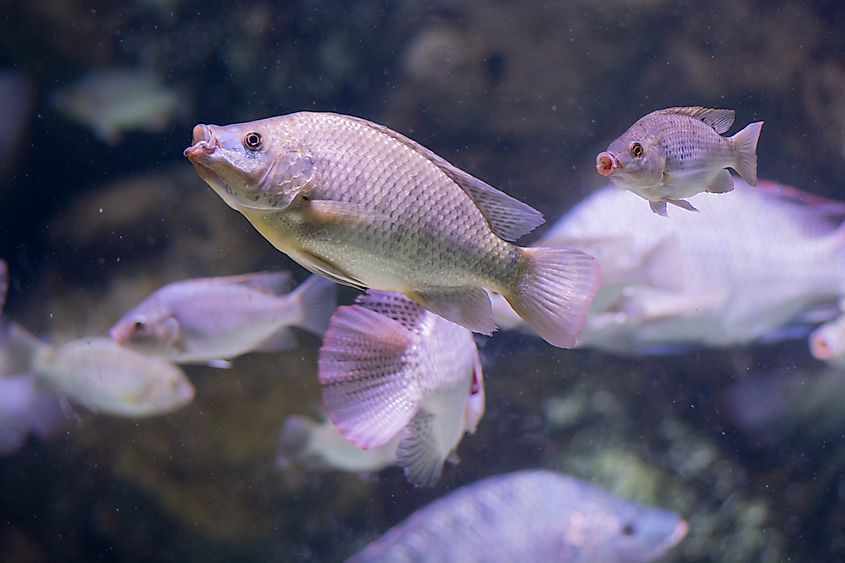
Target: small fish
(314, 445)
(210, 319)
(675, 153)
(529, 516)
(114, 101)
(26, 409)
(753, 263)
(391, 368)
(106, 378)
(367, 207)
(827, 342)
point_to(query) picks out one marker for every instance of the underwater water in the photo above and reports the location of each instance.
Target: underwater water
(741, 436)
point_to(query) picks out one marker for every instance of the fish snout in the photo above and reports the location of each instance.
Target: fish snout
(606, 163)
(820, 348)
(204, 142)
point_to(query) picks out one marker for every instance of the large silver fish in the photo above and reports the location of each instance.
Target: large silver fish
(367, 207)
(210, 319)
(530, 517)
(674, 153)
(390, 368)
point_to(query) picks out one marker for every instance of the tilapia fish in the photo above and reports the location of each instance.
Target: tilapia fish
(389, 368)
(674, 153)
(365, 206)
(529, 516)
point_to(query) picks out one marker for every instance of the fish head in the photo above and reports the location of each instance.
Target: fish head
(476, 400)
(828, 341)
(642, 533)
(256, 165)
(153, 330)
(636, 159)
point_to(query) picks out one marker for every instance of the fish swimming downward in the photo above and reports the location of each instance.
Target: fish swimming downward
(530, 517)
(675, 153)
(212, 319)
(391, 368)
(365, 206)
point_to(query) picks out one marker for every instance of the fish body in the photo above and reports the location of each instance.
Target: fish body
(114, 101)
(319, 445)
(390, 368)
(107, 378)
(529, 516)
(750, 264)
(365, 206)
(209, 319)
(675, 153)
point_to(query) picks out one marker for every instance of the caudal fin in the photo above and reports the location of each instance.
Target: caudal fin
(317, 298)
(746, 151)
(555, 293)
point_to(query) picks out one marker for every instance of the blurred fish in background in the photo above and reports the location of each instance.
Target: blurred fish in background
(530, 516)
(112, 102)
(306, 443)
(755, 263)
(211, 319)
(389, 368)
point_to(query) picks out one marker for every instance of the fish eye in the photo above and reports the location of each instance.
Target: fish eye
(139, 325)
(252, 141)
(636, 150)
(628, 529)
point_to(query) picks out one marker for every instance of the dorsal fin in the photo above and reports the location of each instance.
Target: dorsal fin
(719, 119)
(272, 283)
(508, 217)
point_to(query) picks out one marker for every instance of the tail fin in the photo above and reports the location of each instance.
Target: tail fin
(555, 292)
(317, 298)
(745, 143)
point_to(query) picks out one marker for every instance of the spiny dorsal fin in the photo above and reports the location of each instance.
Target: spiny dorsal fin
(719, 119)
(508, 217)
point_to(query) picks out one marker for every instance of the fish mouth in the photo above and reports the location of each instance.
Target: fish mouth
(606, 163)
(204, 143)
(819, 348)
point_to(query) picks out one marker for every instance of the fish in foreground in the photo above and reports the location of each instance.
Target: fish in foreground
(367, 207)
(757, 263)
(319, 445)
(114, 101)
(210, 319)
(529, 516)
(389, 368)
(675, 153)
(104, 377)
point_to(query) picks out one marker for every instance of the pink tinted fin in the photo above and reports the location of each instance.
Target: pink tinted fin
(719, 119)
(317, 298)
(658, 207)
(745, 144)
(466, 306)
(417, 453)
(663, 266)
(364, 374)
(396, 306)
(722, 184)
(555, 292)
(683, 204)
(508, 217)
(4, 283)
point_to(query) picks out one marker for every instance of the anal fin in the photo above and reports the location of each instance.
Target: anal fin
(722, 184)
(683, 204)
(658, 207)
(467, 306)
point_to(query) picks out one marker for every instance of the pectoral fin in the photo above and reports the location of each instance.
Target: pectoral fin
(341, 212)
(319, 266)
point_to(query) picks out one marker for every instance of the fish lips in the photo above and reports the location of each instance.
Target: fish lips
(607, 163)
